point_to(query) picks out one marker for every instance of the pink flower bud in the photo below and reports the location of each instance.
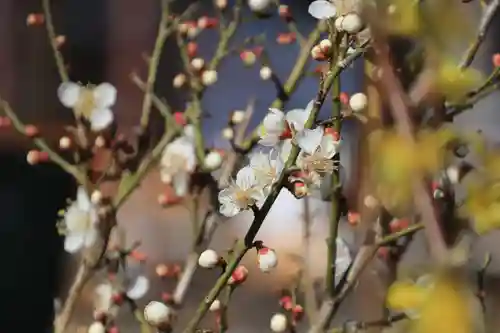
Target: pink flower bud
(239, 275)
(192, 49)
(31, 131)
(267, 259)
(35, 19)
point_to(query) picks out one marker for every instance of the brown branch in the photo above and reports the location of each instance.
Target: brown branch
(484, 24)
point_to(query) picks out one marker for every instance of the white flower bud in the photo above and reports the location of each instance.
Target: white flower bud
(213, 160)
(325, 45)
(64, 142)
(157, 313)
(352, 23)
(317, 53)
(197, 63)
(237, 116)
(370, 201)
(267, 259)
(259, 5)
(97, 327)
(453, 174)
(279, 323)
(228, 133)
(215, 306)
(193, 31)
(358, 102)
(96, 197)
(265, 73)
(209, 77)
(179, 80)
(208, 259)
(100, 142)
(338, 23)
(221, 4)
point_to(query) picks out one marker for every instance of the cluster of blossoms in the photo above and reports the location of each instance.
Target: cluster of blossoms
(280, 131)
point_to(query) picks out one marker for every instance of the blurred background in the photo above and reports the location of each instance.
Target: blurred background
(106, 41)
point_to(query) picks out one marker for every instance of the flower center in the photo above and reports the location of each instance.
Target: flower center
(318, 164)
(86, 103)
(287, 132)
(242, 198)
(79, 221)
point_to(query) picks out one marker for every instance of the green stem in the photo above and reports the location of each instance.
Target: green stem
(243, 245)
(335, 196)
(51, 32)
(154, 61)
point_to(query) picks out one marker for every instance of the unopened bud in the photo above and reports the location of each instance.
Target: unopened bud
(265, 73)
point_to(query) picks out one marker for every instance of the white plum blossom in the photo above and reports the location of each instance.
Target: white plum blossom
(279, 323)
(80, 220)
(322, 9)
(267, 167)
(91, 103)
(267, 259)
(277, 125)
(243, 193)
(178, 161)
(317, 152)
(103, 300)
(157, 313)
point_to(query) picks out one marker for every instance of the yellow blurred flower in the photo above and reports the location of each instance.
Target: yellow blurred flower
(403, 17)
(482, 205)
(431, 148)
(442, 306)
(455, 83)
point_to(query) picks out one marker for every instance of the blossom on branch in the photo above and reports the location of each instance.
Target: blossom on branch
(178, 161)
(91, 103)
(80, 220)
(243, 193)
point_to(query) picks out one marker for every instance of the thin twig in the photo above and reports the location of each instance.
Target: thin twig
(360, 262)
(44, 146)
(164, 30)
(484, 24)
(51, 32)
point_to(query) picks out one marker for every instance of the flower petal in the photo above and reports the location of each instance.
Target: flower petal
(69, 93)
(74, 242)
(100, 119)
(285, 149)
(82, 199)
(91, 237)
(322, 9)
(269, 140)
(245, 178)
(329, 146)
(180, 183)
(139, 288)
(189, 132)
(103, 297)
(259, 161)
(309, 140)
(105, 95)
(274, 121)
